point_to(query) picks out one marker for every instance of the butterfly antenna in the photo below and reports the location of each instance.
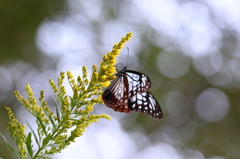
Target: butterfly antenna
(128, 56)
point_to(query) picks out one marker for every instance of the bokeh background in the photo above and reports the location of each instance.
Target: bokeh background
(189, 49)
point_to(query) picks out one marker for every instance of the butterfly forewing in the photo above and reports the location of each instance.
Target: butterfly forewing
(137, 83)
(116, 94)
(145, 103)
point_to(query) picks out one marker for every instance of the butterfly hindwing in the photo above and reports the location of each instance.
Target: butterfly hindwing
(145, 103)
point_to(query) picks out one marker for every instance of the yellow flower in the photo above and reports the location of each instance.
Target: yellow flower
(107, 69)
(72, 110)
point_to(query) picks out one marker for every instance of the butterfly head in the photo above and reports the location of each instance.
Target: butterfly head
(121, 69)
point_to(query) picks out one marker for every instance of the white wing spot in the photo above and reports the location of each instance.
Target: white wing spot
(133, 105)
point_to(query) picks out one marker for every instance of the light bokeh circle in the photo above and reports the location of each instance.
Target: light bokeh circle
(212, 105)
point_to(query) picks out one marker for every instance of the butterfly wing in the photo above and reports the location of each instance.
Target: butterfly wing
(137, 83)
(145, 103)
(129, 92)
(115, 95)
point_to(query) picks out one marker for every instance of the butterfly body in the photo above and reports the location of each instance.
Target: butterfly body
(129, 92)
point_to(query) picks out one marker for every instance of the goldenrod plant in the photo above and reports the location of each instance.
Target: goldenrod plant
(72, 115)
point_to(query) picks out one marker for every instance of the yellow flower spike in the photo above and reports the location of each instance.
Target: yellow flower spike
(106, 73)
(89, 95)
(76, 89)
(79, 80)
(83, 89)
(69, 74)
(39, 109)
(46, 109)
(95, 91)
(108, 54)
(44, 103)
(104, 77)
(114, 53)
(69, 124)
(72, 111)
(94, 68)
(66, 101)
(89, 108)
(85, 72)
(41, 98)
(99, 100)
(53, 86)
(104, 68)
(95, 75)
(112, 70)
(55, 118)
(80, 83)
(106, 84)
(31, 98)
(86, 81)
(29, 90)
(110, 59)
(61, 79)
(17, 132)
(41, 115)
(63, 90)
(105, 58)
(62, 75)
(114, 45)
(51, 114)
(18, 96)
(72, 82)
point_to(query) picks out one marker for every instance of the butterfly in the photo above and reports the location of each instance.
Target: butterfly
(129, 92)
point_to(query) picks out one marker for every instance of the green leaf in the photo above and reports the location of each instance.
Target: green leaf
(42, 125)
(57, 112)
(52, 122)
(74, 119)
(9, 147)
(61, 99)
(72, 101)
(46, 156)
(81, 113)
(34, 134)
(28, 143)
(46, 140)
(53, 145)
